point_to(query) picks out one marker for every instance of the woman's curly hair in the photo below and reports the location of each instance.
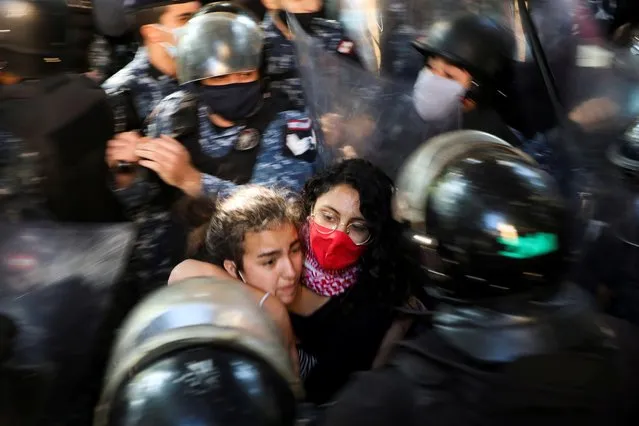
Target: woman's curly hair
(251, 208)
(379, 263)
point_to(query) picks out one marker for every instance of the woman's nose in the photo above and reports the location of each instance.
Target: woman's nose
(288, 269)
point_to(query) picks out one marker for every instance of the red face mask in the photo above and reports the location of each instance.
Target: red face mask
(335, 250)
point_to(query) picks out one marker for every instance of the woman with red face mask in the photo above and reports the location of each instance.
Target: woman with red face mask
(351, 281)
(351, 268)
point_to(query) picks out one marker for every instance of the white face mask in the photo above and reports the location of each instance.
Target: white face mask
(435, 97)
(170, 48)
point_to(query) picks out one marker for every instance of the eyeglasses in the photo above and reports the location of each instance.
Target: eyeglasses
(358, 232)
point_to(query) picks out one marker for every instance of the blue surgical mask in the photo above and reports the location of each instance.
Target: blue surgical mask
(233, 101)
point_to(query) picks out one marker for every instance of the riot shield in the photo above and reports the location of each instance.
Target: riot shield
(598, 88)
(367, 112)
(384, 29)
(357, 113)
(55, 287)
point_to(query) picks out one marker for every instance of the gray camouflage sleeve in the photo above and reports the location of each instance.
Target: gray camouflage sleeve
(140, 193)
(143, 190)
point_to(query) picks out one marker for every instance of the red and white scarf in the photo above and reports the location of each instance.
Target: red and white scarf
(326, 282)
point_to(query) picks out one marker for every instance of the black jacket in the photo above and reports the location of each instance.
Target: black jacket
(67, 120)
(555, 363)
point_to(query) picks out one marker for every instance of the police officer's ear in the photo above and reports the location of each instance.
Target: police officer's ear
(231, 268)
(152, 34)
(272, 4)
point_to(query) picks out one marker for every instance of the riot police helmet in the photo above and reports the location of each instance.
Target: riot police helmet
(479, 44)
(200, 351)
(42, 38)
(203, 385)
(222, 39)
(33, 36)
(226, 6)
(485, 221)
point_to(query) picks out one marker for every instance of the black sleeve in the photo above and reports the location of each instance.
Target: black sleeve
(376, 398)
(352, 348)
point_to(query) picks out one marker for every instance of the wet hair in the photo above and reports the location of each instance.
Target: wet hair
(251, 209)
(375, 189)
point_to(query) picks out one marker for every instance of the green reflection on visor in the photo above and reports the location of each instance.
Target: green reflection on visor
(525, 247)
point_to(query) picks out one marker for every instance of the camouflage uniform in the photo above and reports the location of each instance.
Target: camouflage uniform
(279, 53)
(99, 56)
(150, 264)
(146, 84)
(272, 168)
(107, 57)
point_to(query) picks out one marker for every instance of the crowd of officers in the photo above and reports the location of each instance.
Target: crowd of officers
(439, 278)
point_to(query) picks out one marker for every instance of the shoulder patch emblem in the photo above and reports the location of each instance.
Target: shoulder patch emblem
(345, 47)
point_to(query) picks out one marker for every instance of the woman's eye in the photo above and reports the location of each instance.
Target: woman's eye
(328, 217)
(269, 262)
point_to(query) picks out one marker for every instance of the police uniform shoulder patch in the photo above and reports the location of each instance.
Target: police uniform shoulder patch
(345, 47)
(247, 140)
(300, 138)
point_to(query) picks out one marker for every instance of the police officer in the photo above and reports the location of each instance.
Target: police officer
(135, 91)
(62, 120)
(200, 352)
(469, 56)
(280, 65)
(231, 133)
(150, 77)
(223, 132)
(472, 56)
(511, 342)
(466, 57)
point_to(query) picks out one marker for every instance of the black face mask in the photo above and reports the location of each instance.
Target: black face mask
(305, 19)
(234, 101)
